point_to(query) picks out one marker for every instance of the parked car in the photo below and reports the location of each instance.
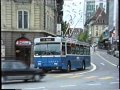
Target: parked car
(17, 70)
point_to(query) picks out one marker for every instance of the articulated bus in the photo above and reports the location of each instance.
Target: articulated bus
(58, 53)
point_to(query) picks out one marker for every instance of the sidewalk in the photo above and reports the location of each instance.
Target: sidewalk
(98, 50)
(106, 52)
(102, 50)
(107, 57)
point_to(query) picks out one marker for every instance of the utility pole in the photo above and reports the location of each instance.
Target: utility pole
(44, 14)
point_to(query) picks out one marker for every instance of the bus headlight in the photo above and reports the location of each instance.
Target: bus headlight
(55, 63)
(39, 63)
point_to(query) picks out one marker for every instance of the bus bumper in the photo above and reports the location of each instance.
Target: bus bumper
(51, 68)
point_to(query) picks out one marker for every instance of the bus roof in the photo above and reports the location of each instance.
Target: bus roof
(58, 39)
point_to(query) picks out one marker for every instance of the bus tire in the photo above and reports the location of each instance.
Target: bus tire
(83, 66)
(36, 78)
(68, 67)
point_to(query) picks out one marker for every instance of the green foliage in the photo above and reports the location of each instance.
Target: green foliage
(64, 26)
(83, 36)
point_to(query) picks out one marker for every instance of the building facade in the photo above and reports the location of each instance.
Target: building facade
(92, 5)
(117, 25)
(96, 24)
(102, 4)
(112, 11)
(74, 32)
(89, 8)
(24, 20)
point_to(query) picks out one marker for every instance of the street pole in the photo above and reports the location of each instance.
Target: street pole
(44, 14)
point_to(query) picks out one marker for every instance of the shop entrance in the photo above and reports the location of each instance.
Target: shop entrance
(23, 50)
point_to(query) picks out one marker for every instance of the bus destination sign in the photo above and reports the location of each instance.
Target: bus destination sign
(47, 39)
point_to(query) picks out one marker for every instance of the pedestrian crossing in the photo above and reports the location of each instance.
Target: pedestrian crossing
(91, 77)
(76, 76)
(106, 78)
(70, 76)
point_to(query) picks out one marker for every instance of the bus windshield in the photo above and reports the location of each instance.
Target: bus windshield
(47, 49)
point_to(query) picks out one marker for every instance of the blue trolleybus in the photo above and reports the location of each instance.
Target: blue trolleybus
(57, 53)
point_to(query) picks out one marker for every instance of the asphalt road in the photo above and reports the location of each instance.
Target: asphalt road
(102, 75)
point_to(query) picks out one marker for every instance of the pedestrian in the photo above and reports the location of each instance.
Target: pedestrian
(94, 46)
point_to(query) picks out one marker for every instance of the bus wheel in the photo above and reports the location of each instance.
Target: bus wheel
(68, 67)
(83, 66)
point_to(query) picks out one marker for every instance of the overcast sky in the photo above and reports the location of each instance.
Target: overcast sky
(73, 12)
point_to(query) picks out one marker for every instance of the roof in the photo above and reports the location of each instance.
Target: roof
(99, 18)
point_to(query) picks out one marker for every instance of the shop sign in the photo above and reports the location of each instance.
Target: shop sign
(47, 39)
(23, 42)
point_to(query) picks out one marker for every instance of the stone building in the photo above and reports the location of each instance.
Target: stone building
(24, 20)
(92, 5)
(96, 25)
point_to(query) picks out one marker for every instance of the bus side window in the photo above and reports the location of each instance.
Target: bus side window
(73, 49)
(63, 48)
(84, 50)
(63, 51)
(88, 50)
(68, 48)
(81, 50)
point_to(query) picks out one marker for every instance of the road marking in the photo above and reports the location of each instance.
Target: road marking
(93, 69)
(102, 64)
(113, 82)
(68, 85)
(106, 60)
(64, 75)
(94, 84)
(106, 78)
(76, 76)
(91, 77)
(35, 88)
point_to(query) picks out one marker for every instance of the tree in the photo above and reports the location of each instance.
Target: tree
(83, 36)
(64, 26)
